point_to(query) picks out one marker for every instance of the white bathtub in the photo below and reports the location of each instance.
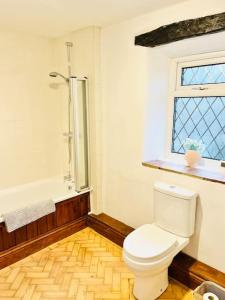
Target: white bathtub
(22, 195)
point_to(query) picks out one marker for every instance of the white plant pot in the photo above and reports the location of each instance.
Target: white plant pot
(192, 158)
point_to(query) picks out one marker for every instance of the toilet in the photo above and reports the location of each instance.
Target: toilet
(149, 250)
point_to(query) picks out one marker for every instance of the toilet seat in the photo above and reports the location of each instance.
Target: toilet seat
(149, 243)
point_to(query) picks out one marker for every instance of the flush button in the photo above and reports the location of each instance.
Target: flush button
(172, 186)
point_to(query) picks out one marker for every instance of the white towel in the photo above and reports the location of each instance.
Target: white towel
(25, 215)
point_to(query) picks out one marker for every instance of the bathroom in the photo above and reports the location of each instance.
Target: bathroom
(128, 90)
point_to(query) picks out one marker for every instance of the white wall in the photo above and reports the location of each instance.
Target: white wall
(29, 127)
(130, 93)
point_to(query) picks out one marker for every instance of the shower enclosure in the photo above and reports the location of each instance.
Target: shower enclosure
(81, 165)
(44, 144)
(77, 133)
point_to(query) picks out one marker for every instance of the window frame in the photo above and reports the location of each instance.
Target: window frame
(177, 90)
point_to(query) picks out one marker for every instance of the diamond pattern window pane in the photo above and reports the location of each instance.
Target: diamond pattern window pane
(208, 74)
(200, 118)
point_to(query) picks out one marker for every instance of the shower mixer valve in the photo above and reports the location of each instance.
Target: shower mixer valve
(67, 177)
(68, 134)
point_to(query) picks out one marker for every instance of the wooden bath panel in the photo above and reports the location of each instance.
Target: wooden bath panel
(66, 212)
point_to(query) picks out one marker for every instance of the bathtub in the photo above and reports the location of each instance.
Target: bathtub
(20, 196)
(70, 216)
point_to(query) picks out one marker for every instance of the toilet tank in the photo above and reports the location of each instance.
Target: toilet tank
(174, 209)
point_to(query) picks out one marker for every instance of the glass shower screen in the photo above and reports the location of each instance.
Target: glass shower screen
(79, 102)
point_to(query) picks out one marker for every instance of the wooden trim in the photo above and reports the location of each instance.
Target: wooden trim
(184, 268)
(109, 227)
(21, 251)
(182, 30)
(192, 272)
(70, 216)
(212, 176)
(66, 212)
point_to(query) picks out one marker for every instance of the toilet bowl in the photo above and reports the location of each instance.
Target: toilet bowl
(149, 250)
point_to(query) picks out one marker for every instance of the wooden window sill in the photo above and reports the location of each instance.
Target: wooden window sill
(209, 175)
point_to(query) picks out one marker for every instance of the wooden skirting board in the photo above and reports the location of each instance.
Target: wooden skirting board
(184, 268)
(114, 230)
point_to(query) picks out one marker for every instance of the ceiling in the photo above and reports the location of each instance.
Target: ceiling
(57, 17)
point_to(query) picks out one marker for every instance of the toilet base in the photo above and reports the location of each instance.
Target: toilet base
(150, 287)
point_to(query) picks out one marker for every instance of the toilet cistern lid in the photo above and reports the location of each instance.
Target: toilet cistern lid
(149, 241)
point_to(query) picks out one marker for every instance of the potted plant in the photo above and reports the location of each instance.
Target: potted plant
(194, 150)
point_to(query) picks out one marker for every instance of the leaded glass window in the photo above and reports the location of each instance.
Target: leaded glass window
(199, 75)
(200, 118)
(200, 113)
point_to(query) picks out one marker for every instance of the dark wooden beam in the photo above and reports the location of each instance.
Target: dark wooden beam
(182, 30)
(184, 268)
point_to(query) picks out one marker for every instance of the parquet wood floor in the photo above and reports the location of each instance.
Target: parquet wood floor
(84, 266)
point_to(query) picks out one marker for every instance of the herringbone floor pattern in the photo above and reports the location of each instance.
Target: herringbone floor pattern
(84, 266)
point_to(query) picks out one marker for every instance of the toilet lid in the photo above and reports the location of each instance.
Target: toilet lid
(149, 242)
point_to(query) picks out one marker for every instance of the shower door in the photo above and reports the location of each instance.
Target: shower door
(79, 102)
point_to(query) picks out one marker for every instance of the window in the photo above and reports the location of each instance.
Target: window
(199, 75)
(199, 106)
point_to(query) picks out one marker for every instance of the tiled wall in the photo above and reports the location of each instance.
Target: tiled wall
(34, 107)
(30, 115)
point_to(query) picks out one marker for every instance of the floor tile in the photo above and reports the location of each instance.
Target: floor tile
(84, 266)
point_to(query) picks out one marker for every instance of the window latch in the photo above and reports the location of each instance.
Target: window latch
(200, 88)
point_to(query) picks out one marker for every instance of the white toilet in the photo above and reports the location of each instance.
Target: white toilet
(149, 250)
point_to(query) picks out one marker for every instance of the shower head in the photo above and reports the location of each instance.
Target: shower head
(55, 74)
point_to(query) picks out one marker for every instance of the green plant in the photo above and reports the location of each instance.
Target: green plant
(190, 144)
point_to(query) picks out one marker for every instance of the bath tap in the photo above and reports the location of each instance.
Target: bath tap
(70, 187)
